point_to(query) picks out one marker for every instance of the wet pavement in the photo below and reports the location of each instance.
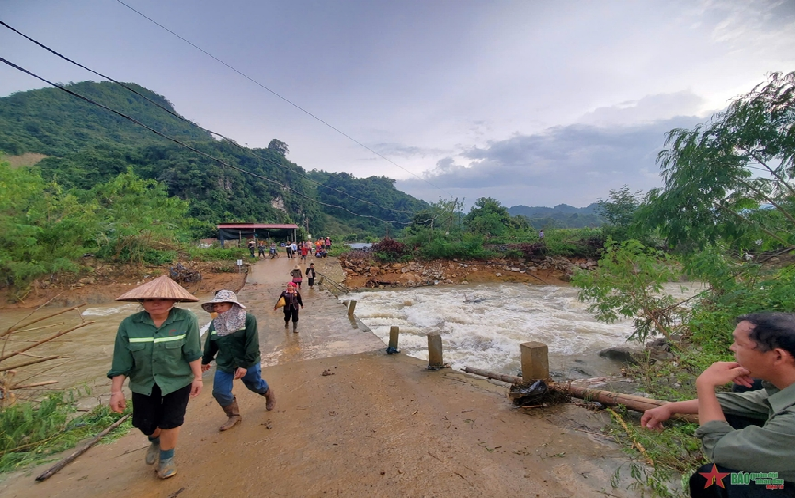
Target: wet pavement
(324, 328)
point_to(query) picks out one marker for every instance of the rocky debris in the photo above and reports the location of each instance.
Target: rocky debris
(362, 270)
(619, 353)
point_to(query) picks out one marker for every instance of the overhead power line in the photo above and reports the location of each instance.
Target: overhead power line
(233, 142)
(193, 149)
(241, 73)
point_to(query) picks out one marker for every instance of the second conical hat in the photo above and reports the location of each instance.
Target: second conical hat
(159, 288)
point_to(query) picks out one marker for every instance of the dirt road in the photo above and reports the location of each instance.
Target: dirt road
(375, 425)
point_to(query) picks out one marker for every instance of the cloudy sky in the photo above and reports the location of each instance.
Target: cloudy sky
(529, 102)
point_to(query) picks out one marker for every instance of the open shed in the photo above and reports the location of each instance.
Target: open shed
(258, 231)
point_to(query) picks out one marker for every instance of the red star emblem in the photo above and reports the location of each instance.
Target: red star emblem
(714, 477)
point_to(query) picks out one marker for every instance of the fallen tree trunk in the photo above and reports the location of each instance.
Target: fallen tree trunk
(491, 375)
(63, 463)
(637, 403)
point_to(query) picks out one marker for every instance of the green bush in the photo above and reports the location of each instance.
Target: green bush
(32, 432)
(469, 247)
(217, 253)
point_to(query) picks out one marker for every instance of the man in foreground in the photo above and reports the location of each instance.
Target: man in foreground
(764, 347)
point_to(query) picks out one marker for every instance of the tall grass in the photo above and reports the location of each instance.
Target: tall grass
(32, 432)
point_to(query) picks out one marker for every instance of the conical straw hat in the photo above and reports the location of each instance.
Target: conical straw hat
(159, 288)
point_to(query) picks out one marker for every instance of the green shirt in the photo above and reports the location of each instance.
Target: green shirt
(770, 448)
(148, 354)
(238, 349)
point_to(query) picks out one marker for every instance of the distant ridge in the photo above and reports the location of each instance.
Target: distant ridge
(560, 216)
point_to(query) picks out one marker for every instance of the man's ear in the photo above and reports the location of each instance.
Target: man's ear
(782, 356)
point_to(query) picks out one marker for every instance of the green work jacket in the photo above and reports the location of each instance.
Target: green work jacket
(238, 349)
(769, 448)
(151, 355)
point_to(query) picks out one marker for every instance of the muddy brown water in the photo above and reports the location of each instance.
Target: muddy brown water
(378, 425)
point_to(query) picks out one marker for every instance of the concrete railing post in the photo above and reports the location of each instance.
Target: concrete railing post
(535, 360)
(435, 359)
(394, 332)
(351, 307)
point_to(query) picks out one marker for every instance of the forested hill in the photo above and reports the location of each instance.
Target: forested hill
(87, 145)
(561, 216)
(50, 121)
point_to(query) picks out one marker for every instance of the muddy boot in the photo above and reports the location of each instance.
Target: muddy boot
(286, 324)
(233, 412)
(270, 399)
(166, 468)
(153, 451)
(295, 327)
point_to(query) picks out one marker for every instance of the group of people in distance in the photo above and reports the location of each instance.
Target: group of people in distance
(318, 249)
(749, 437)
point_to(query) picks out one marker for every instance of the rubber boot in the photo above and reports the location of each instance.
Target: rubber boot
(295, 327)
(153, 452)
(233, 412)
(270, 399)
(166, 468)
(286, 324)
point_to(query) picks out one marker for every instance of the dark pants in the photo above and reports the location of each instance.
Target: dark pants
(158, 410)
(311, 281)
(290, 314)
(699, 488)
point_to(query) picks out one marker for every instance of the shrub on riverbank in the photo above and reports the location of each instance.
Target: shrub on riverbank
(33, 432)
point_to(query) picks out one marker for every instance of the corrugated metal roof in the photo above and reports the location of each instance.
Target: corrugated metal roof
(257, 225)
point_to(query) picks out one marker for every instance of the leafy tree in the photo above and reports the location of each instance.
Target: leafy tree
(44, 229)
(488, 217)
(732, 177)
(628, 283)
(619, 211)
(140, 221)
(279, 147)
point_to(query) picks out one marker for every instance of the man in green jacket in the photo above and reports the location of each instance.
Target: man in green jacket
(764, 348)
(233, 336)
(158, 350)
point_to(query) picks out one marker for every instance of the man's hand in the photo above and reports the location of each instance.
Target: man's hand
(240, 373)
(196, 387)
(205, 367)
(744, 380)
(117, 402)
(722, 372)
(653, 419)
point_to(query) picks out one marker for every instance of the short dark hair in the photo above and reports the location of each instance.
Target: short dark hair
(772, 330)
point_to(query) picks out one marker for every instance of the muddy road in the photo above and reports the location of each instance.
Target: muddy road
(373, 425)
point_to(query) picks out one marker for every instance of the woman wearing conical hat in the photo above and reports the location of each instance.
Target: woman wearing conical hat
(297, 276)
(234, 338)
(158, 350)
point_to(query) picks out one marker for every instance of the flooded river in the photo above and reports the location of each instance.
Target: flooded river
(482, 326)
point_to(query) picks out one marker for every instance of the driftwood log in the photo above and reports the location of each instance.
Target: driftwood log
(63, 463)
(637, 403)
